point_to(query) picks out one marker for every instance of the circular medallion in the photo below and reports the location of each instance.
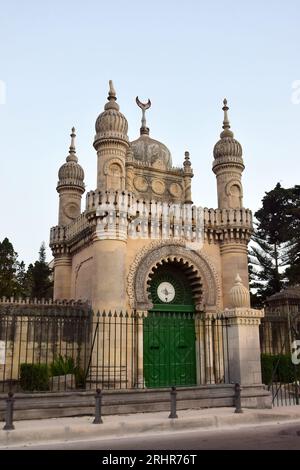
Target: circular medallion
(175, 190)
(158, 186)
(71, 210)
(166, 292)
(140, 183)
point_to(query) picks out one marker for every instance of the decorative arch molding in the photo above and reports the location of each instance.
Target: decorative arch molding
(114, 161)
(167, 251)
(233, 182)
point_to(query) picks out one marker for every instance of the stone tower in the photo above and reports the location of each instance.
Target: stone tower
(228, 166)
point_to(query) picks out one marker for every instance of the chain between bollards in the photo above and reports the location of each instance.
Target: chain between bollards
(98, 405)
(9, 412)
(173, 394)
(237, 398)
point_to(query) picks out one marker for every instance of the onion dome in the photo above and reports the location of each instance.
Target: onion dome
(239, 294)
(148, 150)
(71, 173)
(111, 124)
(227, 149)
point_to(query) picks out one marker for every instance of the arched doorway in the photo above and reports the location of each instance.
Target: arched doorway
(169, 329)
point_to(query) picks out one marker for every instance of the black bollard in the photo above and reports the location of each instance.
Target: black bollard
(173, 394)
(9, 412)
(98, 404)
(237, 402)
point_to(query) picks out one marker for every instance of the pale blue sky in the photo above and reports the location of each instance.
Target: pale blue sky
(56, 59)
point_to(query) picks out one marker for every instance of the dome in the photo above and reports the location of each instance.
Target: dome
(148, 150)
(239, 294)
(111, 123)
(71, 173)
(227, 148)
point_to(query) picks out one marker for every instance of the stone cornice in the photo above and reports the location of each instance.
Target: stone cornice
(243, 316)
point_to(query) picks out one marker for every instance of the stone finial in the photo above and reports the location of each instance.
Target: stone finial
(112, 92)
(144, 106)
(72, 152)
(187, 162)
(239, 294)
(226, 124)
(227, 146)
(112, 98)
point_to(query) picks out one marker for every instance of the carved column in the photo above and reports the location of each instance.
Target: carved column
(188, 175)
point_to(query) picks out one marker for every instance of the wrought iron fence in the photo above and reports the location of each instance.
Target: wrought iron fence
(279, 373)
(68, 349)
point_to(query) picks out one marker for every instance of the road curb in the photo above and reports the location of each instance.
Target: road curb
(124, 428)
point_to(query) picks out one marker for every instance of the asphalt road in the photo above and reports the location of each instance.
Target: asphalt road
(263, 437)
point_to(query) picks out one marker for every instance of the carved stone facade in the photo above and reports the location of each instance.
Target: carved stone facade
(141, 219)
(143, 206)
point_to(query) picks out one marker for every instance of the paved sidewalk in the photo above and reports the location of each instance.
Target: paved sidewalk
(81, 428)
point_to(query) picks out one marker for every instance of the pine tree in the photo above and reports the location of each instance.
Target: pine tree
(268, 252)
(265, 263)
(23, 288)
(8, 268)
(38, 276)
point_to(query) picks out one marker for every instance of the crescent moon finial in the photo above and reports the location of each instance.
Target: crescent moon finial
(144, 106)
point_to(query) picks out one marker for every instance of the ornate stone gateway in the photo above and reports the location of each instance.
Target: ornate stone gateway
(169, 329)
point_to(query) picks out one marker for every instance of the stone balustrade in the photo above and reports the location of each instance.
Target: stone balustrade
(121, 215)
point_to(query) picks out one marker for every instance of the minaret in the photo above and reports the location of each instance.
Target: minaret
(70, 186)
(228, 166)
(109, 249)
(111, 143)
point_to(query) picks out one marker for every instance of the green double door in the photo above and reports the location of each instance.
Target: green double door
(169, 349)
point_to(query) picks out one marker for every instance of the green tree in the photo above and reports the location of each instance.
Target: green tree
(272, 234)
(8, 268)
(39, 276)
(265, 275)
